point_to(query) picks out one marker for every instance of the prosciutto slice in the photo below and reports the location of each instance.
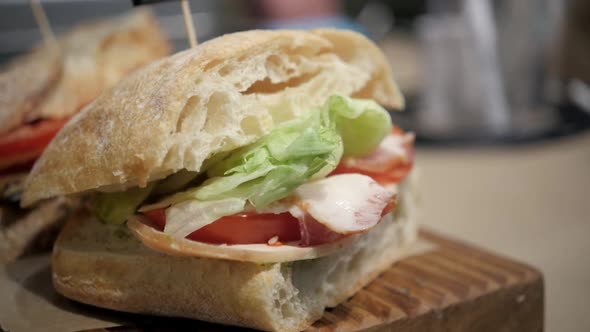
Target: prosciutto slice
(340, 205)
(394, 151)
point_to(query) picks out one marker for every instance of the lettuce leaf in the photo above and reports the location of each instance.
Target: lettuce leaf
(362, 123)
(114, 208)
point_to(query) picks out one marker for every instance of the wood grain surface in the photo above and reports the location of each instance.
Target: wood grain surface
(456, 287)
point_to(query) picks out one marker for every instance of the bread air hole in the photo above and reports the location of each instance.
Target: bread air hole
(226, 70)
(265, 86)
(218, 114)
(211, 64)
(188, 108)
(285, 304)
(287, 310)
(251, 125)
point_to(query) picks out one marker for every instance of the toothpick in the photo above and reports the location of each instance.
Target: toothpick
(43, 23)
(188, 20)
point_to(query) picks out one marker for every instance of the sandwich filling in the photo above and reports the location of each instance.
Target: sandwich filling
(20, 147)
(310, 181)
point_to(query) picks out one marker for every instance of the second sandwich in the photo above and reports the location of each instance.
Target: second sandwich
(40, 91)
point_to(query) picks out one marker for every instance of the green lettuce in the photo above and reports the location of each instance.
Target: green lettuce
(362, 123)
(114, 208)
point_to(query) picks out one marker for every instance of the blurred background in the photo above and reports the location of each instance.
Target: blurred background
(497, 92)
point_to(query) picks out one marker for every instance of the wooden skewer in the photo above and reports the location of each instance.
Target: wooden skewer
(43, 23)
(188, 20)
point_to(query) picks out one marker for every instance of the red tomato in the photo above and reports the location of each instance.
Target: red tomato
(244, 228)
(158, 217)
(27, 142)
(381, 169)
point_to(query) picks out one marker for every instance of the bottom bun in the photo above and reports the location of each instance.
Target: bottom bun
(108, 267)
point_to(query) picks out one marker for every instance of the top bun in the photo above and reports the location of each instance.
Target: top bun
(224, 94)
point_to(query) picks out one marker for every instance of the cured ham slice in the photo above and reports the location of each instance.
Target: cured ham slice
(389, 163)
(392, 150)
(344, 204)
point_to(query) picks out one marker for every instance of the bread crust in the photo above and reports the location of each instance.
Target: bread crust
(52, 82)
(25, 82)
(223, 94)
(97, 55)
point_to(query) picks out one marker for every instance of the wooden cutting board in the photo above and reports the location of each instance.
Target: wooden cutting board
(456, 287)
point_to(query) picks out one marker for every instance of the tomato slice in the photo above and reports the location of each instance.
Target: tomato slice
(27, 142)
(245, 228)
(383, 167)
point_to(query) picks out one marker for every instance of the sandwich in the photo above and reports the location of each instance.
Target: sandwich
(40, 91)
(253, 181)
